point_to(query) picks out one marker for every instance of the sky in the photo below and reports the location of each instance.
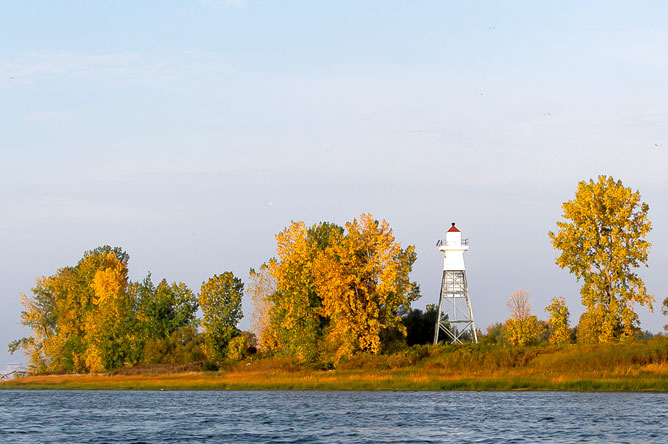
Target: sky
(165, 128)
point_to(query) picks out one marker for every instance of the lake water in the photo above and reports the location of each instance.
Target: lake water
(343, 417)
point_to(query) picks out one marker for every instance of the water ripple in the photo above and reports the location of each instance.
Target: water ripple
(332, 417)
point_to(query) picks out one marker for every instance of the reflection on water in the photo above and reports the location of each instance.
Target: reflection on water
(344, 417)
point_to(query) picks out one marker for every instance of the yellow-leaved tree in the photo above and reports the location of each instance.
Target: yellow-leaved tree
(80, 317)
(522, 327)
(295, 317)
(559, 321)
(107, 322)
(602, 243)
(363, 281)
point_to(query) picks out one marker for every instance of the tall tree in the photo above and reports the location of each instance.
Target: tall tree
(602, 243)
(363, 280)
(108, 324)
(559, 320)
(66, 310)
(163, 309)
(420, 326)
(296, 319)
(220, 300)
(261, 286)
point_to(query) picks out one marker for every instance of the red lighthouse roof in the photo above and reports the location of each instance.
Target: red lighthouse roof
(453, 229)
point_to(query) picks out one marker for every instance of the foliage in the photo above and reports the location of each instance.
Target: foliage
(184, 345)
(586, 332)
(106, 333)
(495, 334)
(296, 320)
(364, 284)
(559, 321)
(79, 316)
(164, 309)
(634, 365)
(330, 292)
(602, 244)
(664, 310)
(238, 347)
(420, 325)
(521, 328)
(90, 318)
(220, 299)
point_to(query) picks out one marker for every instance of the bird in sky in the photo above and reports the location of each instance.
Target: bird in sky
(483, 94)
(491, 27)
(658, 145)
(268, 204)
(547, 114)
(11, 77)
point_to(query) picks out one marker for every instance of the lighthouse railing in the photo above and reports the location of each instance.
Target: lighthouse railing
(452, 243)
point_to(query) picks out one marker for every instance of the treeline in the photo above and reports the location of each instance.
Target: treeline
(91, 318)
(331, 292)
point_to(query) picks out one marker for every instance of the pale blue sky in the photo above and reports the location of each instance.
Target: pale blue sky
(165, 128)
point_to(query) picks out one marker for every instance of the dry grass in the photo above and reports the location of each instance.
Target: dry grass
(632, 366)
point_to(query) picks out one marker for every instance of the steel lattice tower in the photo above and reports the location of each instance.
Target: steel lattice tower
(454, 302)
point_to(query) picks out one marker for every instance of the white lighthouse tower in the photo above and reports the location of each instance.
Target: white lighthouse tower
(454, 302)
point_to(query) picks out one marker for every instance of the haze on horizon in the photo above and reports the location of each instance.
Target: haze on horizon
(166, 128)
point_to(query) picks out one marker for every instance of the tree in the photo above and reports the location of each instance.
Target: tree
(587, 330)
(522, 328)
(559, 320)
(79, 316)
(420, 325)
(261, 286)
(296, 317)
(163, 309)
(106, 323)
(664, 310)
(602, 244)
(220, 300)
(363, 281)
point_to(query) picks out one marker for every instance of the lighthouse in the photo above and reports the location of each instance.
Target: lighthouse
(454, 303)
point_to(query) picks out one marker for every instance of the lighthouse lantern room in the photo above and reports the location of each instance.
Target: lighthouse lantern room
(455, 315)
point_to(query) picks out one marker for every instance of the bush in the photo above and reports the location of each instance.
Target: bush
(209, 366)
(182, 346)
(237, 348)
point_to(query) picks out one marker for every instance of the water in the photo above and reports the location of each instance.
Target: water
(342, 417)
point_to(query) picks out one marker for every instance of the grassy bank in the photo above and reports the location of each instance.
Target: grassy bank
(636, 366)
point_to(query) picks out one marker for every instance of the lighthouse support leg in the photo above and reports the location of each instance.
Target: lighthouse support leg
(455, 314)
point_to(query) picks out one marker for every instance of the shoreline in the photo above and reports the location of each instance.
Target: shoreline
(325, 381)
(634, 367)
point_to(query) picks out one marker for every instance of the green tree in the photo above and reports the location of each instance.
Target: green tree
(420, 325)
(602, 243)
(163, 309)
(220, 299)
